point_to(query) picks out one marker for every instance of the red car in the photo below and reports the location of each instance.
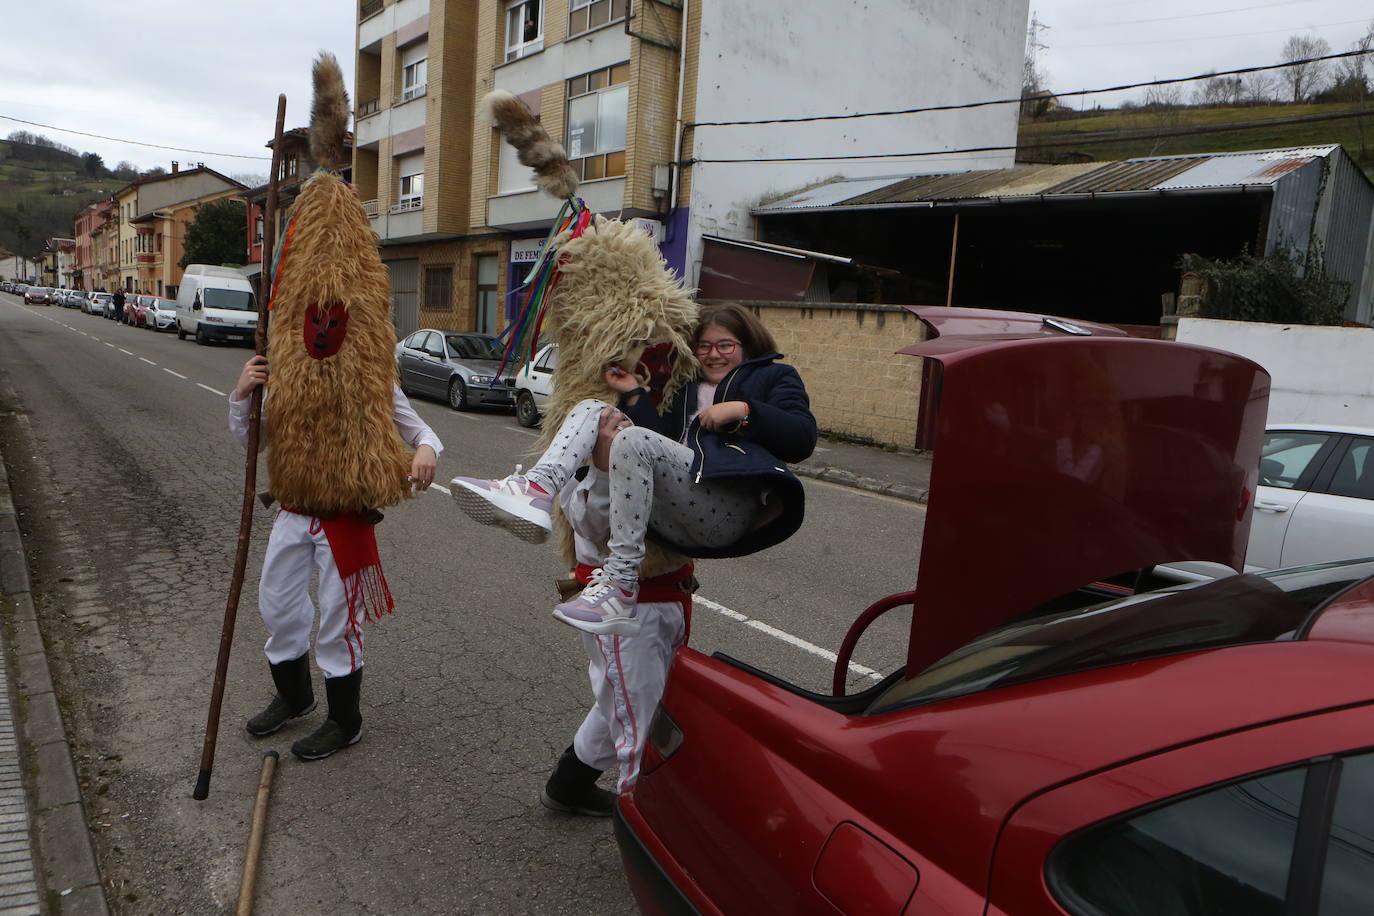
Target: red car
(1190, 750)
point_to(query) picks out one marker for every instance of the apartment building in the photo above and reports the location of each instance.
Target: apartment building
(105, 246)
(86, 222)
(152, 215)
(647, 96)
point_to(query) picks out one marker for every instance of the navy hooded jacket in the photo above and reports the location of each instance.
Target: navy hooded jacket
(781, 429)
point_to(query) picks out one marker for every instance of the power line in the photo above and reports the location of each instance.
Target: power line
(172, 149)
(1019, 99)
(1237, 9)
(1201, 129)
(1176, 39)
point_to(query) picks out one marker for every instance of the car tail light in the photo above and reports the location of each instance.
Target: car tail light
(664, 740)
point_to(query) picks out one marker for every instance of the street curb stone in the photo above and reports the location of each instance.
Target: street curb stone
(65, 857)
(870, 484)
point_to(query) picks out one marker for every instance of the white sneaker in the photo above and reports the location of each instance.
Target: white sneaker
(519, 505)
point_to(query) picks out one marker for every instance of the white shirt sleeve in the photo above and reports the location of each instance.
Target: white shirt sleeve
(413, 430)
(238, 421)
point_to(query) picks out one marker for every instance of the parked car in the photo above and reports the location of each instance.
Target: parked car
(75, 298)
(1190, 750)
(160, 314)
(38, 295)
(137, 308)
(459, 366)
(99, 304)
(534, 384)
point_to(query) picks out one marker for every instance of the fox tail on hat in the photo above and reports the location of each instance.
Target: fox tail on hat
(328, 113)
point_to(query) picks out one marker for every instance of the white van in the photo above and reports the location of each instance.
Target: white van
(215, 303)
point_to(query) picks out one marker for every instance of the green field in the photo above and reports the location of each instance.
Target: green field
(1356, 133)
(41, 192)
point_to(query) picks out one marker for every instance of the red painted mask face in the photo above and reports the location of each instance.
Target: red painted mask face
(657, 363)
(325, 326)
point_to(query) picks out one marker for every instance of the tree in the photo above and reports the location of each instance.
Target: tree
(218, 234)
(1219, 90)
(1260, 87)
(126, 171)
(93, 165)
(250, 179)
(155, 170)
(1304, 79)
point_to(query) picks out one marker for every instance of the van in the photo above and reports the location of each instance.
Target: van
(215, 303)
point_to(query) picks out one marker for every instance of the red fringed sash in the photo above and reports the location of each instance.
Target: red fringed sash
(353, 541)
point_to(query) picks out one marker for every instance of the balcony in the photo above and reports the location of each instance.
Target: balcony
(370, 107)
(369, 9)
(407, 204)
(370, 208)
(146, 258)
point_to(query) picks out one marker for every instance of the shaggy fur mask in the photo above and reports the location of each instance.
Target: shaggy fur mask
(332, 443)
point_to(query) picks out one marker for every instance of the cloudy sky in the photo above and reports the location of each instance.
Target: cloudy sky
(204, 74)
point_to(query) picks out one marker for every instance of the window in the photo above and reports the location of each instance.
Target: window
(598, 110)
(1287, 455)
(487, 275)
(1184, 859)
(590, 14)
(524, 28)
(411, 187)
(1354, 476)
(1345, 888)
(257, 230)
(438, 289)
(290, 164)
(412, 80)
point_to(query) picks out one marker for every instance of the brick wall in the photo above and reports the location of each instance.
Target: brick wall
(845, 353)
(461, 255)
(653, 100)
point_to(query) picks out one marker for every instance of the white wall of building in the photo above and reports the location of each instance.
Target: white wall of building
(1320, 374)
(764, 59)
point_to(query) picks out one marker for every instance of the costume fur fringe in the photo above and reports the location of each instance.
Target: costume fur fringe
(329, 113)
(532, 142)
(615, 297)
(332, 444)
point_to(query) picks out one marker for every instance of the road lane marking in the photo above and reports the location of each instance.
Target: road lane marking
(209, 389)
(170, 372)
(441, 488)
(521, 429)
(147, 360)
(784, 636)
(108, 344)
(124, 351)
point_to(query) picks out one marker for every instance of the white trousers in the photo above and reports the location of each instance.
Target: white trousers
(628, 674)
(296, 547)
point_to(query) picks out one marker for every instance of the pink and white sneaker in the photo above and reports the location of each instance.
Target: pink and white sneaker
(515, 503)
(603, 608)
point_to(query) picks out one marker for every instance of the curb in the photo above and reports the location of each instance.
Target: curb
(63, 868)
(871, 484)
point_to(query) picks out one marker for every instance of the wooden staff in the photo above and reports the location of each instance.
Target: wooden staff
(249, 881)
(250, 473)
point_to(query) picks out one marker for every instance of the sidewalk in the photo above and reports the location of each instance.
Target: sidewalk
(33, 741)
(904, 474)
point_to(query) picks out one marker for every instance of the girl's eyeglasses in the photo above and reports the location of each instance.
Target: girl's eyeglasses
(723, 347)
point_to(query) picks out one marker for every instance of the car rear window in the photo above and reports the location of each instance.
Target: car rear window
(1226, 612)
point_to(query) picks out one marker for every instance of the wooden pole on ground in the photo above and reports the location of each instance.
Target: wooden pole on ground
(250, 474)
(249, 881)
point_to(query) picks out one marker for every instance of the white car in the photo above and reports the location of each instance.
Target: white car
(534, 384)
(1314, 504)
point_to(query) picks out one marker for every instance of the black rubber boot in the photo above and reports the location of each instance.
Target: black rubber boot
(343, 728)
(295, 697)
(572, 789)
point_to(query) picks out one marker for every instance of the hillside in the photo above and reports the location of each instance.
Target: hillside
(41, 191)
(1106, 135)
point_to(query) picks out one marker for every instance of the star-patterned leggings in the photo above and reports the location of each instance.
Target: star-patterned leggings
(651, 485)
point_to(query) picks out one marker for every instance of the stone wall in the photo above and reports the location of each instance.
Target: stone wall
(859, 387)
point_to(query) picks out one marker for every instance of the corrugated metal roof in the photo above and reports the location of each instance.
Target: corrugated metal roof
(1152, 173)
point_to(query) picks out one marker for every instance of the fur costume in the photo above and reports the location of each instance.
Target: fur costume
(614, 299)
(333, 446)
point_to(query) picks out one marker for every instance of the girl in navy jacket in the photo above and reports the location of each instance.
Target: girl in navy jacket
(706, 478)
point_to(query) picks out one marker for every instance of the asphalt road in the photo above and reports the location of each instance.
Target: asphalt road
(130, 489)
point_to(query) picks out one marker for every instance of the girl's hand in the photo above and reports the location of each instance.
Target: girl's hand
(721, 416)
(620, 380)
(254, 374)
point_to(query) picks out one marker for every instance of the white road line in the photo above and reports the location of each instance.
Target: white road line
(441, 488)
(170, 372)
(521, 429)
(222, 394)
(147, 360)
(124, 351)
(788, 638)
(108, 344)
(463, 416)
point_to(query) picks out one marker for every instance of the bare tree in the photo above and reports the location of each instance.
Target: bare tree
(1259, 87)
(1355, 71)
(1164, 110)
(1219, 90)
(1304, 79)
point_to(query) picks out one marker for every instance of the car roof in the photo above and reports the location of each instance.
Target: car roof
(1320, 428)
(1063, 457)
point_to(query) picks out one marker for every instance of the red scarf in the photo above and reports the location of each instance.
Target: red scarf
(353, 541)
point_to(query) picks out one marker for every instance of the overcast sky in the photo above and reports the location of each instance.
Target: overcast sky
(205, 74)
